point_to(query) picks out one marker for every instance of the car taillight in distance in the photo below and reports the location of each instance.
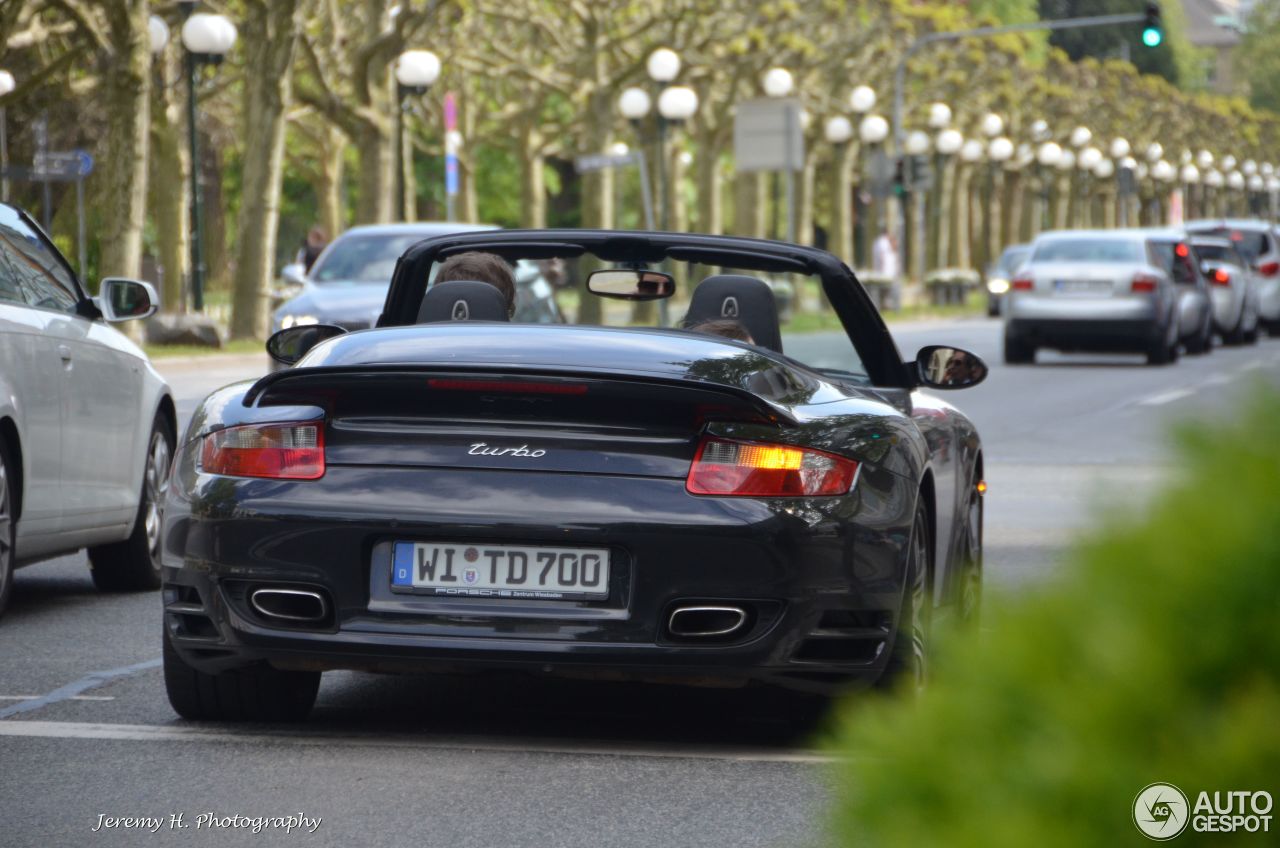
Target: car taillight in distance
(1144, 283)
(1220, 277)
(291, 451)
(1269, 269)
(1022, 282)
(755, 469)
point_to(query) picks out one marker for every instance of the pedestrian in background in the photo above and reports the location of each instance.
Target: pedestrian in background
(312, 246)
(884, 256)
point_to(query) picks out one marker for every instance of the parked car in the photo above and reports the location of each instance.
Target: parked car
(1232, 288)
(1002, 272)
(451, 491)
(1109, 291)
(87, 426)
(348, 282)
(1259, 244)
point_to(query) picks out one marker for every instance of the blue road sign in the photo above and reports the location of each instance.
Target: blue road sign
(450, 173)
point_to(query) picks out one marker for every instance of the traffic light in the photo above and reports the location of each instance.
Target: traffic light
(899, 177)
(1152, 34)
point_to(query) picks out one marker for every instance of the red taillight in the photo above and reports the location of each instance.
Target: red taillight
(1022, 284)
(1181, 251)
(1143, 283)
(753, 469)
(517, 387)
(1269, 269)
(278, 451)
(1220, 277)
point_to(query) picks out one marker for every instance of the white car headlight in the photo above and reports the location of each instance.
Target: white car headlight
(297, 321)
(995, 285)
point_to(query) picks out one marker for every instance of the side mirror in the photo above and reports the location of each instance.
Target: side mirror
(941, 367)
(294, 274)
(289, 345)
(631, 285)
(123, 300)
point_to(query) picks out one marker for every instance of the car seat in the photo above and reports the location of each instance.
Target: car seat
(744, 299)
(463, 300)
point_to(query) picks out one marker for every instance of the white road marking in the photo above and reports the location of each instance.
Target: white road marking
(92, 680)
(1249, 366)
(72, 698)
(1217, 380)
(205, 734)
(1166, 397)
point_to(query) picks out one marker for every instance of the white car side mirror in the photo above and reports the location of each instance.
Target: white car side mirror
(124, 300)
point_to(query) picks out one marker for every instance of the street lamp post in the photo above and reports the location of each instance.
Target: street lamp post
(946, 145)
(207, 39)
(1190, 175)
(1047, 156)
(778, 83)
(861, 101)
(7, 85)
(416, 71)
(873, 130)
(838, 130)
(1120, 150)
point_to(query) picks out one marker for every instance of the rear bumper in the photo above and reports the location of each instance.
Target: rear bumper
(1103, 336)
(1269, 299)
(821, 589)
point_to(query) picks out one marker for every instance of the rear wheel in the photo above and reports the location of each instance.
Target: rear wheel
(134, 564)
(908, 664)
(1164, 351)
(7, 529)
(259, 693)
(1203, 342)
(1018, 352)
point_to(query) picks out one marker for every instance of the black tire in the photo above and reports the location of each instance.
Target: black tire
(1236, 336)
(8, 528)
(1203, 342)
(1018, 352)
(968, 596)
(908, 665)
(134, 564)
(258, 693)
(1162, 352)
(1273, 329)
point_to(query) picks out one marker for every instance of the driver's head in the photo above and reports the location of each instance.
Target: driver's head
(484, 267)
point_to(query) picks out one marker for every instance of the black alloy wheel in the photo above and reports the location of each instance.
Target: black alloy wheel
(908, 664)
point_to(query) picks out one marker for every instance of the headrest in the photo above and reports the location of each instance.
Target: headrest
(745, 299)
(463, 300)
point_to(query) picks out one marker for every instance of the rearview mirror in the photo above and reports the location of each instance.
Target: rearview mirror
(289, 345)
(941, 367)
(631, 285)
(121, 299)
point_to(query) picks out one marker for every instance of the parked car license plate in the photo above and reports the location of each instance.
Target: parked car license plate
(1082, 286)
(500, 571)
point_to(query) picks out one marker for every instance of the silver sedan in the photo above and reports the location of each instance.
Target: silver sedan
(1135, 291)
(1233, 288)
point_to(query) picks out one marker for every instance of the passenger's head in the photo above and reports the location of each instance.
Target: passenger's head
(484, 267)
(726, 327)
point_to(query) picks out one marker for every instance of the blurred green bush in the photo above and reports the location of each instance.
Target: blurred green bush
(1156, 659)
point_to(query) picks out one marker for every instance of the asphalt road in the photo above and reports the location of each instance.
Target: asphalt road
(85, 730)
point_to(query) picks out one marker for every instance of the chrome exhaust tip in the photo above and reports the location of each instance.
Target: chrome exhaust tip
(289, 604)
(703, 622)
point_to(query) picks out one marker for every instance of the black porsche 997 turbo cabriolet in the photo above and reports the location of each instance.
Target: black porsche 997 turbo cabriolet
(450, 491)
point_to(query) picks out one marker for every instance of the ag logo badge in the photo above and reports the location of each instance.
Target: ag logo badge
(1161, 811)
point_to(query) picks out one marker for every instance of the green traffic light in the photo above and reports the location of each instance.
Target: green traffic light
(1152, 37)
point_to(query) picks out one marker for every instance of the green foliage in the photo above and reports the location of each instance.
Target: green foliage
(1156, 658)
(1258, 59)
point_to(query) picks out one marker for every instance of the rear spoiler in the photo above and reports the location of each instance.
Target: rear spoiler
(311, 384)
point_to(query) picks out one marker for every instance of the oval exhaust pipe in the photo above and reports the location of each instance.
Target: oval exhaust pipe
(705, 621)
(289, 604)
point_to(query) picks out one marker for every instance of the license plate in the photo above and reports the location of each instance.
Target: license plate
(500, 571)
(1082, 286)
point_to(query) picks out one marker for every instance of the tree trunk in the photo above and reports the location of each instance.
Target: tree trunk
(597, 190)
(272, 31)
(946, 205)
(168, 192)
(218, 268)
(329, 181)
(375, 142)
(533, 189)
(840, 235)
(707, 178)
(749, 213)
(127, 100)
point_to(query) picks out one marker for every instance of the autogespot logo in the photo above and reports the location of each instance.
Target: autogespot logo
(1160, 811)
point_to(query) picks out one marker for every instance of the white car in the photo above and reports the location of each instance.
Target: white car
(87, 426)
